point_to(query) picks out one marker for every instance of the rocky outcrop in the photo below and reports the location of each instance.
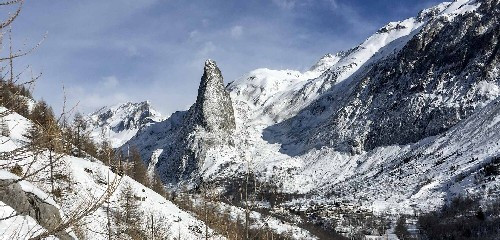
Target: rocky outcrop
(213, 108)
(28, 204)
(185, 138)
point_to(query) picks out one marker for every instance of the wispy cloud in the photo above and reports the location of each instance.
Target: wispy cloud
(236, 31)
(207, 49)
(286, 4)
(109, 82)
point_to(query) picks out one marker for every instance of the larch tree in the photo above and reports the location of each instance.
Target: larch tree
(128, 216)
(139, 171)
(4, 128)
(80, 128)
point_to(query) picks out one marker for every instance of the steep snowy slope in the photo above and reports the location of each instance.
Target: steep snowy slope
(90, 183)
(281, 94)
(83, 182)
(436, 80)
(119, 123)
(417, 176)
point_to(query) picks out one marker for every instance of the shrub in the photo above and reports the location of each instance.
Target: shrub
(18, 170)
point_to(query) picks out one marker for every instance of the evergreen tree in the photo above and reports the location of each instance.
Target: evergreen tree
(106, 154)
(45, 132)
(401, 231)
(42, 114)
(157, 185)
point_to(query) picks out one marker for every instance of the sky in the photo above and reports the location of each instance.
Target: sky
(114, 51)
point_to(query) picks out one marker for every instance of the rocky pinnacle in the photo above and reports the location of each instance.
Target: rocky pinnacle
(214, 110)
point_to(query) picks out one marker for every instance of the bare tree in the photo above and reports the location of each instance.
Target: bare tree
(128, 216)
(80, 127)
(4, 128)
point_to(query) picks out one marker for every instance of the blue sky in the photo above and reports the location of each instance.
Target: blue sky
(107, 52)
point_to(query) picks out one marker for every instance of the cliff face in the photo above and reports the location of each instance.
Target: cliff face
(178, 146)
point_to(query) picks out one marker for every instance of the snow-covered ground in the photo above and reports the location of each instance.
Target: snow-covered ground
(90, 182)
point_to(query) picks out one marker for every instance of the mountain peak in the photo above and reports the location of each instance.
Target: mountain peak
(210, 62)
(120, 122)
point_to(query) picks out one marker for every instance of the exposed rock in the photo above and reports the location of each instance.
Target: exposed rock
(125, 116)
(28, 204)
(213, 107)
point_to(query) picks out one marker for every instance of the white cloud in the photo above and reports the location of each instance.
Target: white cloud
(334, 4)
(236, 31)
(208, 48)
(109, 82)
(285, 4)
(205, 22)
(95, 101)
(88, 101)
(193, 35)
(133, 51)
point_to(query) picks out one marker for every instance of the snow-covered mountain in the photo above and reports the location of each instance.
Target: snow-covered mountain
(407, 119)
(119, 123)
(433, 81)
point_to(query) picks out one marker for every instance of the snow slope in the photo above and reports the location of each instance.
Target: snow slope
(87, 181)
(90, 182)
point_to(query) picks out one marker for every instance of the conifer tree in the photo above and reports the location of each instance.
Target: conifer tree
(157, 185)
(42, 114)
